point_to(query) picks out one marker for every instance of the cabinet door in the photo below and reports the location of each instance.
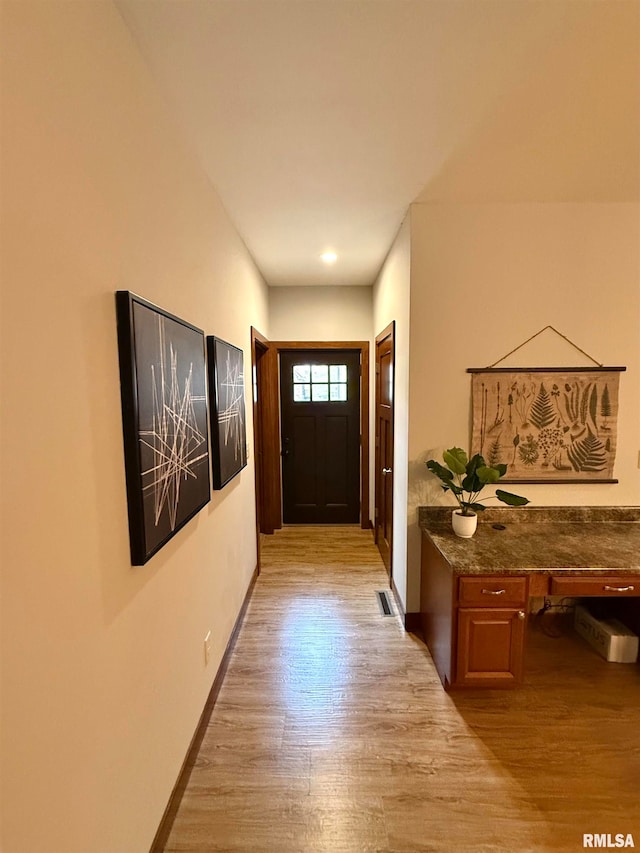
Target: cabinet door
(490, 647)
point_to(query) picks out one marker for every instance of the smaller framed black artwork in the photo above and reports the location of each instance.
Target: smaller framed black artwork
(228, 428)
(164, 420)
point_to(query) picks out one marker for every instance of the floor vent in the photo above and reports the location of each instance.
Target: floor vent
(384, 602)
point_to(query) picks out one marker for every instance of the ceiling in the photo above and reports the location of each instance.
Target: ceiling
(320, 121)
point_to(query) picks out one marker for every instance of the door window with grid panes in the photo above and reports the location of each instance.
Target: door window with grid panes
(319, 383)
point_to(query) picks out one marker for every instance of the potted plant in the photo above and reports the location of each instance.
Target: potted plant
(466, 478)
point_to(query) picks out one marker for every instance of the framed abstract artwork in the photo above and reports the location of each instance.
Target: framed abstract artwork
(164, 419)
(548, 425)
(228, 427)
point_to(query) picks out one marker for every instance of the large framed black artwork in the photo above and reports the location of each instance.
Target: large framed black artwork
(228, 428)
(164, 419)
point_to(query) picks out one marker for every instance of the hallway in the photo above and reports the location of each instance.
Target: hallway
(332, 732)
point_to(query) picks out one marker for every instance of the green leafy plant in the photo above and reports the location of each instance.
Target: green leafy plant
(466, 478)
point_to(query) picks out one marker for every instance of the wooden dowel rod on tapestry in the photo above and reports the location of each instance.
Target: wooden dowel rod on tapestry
(546, 369)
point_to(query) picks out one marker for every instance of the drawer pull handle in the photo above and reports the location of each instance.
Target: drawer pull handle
(629, 588)
(497, 591)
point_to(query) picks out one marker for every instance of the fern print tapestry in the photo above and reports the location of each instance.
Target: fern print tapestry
(547, 425)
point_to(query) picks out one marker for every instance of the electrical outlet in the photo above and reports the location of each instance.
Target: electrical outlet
(207, 648)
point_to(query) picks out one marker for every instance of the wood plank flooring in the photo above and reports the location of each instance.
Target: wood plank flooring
(332, 732)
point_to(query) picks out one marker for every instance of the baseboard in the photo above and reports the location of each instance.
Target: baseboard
(412, 622)
(162, 835)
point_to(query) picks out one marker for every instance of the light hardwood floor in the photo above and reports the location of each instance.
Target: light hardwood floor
(332, 732)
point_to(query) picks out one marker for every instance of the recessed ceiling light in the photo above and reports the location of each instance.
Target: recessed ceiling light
(329, 257)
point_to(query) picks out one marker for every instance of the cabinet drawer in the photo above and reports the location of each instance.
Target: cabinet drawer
(601, 586)
(492, 592)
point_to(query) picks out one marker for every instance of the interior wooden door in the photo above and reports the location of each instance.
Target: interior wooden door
(383, 524)
(320, 428)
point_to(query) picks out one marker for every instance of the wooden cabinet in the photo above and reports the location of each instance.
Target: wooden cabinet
(474, 625)
(490, 622)
(474, 594)
(490, 647)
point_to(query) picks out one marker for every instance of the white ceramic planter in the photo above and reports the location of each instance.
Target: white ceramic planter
(464, 525)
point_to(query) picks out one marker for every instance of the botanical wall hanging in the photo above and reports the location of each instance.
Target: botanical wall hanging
(549, 425)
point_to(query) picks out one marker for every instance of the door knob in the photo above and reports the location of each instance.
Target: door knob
(387, 471)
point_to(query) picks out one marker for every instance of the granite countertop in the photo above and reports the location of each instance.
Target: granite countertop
(603, 540)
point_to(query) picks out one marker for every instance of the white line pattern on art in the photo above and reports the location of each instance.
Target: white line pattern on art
(175, 439)
(231, 410)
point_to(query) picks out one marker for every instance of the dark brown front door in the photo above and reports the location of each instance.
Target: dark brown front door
(320, 401)
(383, 530)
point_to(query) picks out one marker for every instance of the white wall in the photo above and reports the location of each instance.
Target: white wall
(320, 313)
(484, 278)
(391, 301)
(103, 668)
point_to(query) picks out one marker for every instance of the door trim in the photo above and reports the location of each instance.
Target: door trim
(266, 448)
(259, 347)
(363, 347)
(388, 332)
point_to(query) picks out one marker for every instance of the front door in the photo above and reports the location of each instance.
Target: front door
(383, 527)
(320, 407)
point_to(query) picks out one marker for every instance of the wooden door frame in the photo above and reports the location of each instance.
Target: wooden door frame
(388, 332)
(266, 450)
(272, 424)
